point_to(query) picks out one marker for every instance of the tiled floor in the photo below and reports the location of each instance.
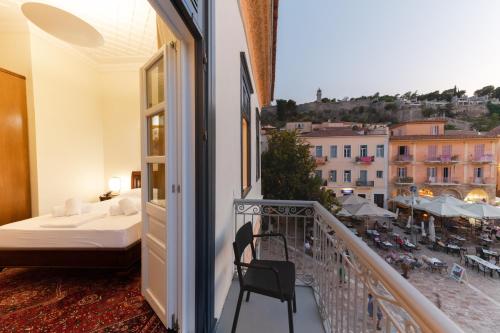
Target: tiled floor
(265, 314)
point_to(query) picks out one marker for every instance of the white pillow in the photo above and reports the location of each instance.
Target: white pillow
(58, 211)
(115, 210)
(73, 206)
(128, 206)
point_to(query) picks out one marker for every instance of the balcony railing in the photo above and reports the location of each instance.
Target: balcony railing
(321, 160)
(443, 159)
(365, 159)
(365, 183)
(404, 180)
(486, 158)
(481, 181)
(403, 158)
(341, 269)
(442, 181)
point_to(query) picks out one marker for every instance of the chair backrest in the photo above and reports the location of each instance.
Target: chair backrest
(244, 237)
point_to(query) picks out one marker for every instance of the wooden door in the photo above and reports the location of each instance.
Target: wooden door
(15, 197)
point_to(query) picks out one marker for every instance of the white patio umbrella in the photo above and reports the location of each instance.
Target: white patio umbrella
(406, 200)
(432, 230)
(369, 209)
(446, 206)
(353, 200)
(483, 210)
(343, 212)
(423, 229)
(408, 225)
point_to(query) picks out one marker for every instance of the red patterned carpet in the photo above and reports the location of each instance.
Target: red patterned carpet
(44, 300)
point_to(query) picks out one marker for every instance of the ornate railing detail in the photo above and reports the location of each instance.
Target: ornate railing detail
(342, 270)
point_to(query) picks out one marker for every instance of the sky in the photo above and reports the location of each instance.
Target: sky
(351, 48)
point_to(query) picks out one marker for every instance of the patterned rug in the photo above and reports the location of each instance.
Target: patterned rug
(45, 300)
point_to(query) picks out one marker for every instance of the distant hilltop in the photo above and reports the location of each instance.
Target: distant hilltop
(466, 112)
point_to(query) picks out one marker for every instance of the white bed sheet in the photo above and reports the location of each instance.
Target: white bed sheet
(110, 232)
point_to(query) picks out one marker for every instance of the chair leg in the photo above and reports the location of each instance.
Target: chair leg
(290, 316)
(294, 302)
(248, 296)
(237, 313)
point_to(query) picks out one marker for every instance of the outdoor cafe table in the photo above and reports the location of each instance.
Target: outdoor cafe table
(483, 262)
(372, 232)
(452, 248)
(491, 254)
(458, 238)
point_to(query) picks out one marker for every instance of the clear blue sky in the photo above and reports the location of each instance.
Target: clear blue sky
(358, 47)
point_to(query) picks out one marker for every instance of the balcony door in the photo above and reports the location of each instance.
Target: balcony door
(363, 176)
(160, 151)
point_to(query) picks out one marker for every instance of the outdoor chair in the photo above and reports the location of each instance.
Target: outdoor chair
(271, 278)
(463, 253)
(484, 269)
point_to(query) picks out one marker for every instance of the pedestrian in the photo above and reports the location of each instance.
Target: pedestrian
(370, 311)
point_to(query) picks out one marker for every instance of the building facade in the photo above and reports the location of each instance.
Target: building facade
(352, 161)
(463, 165)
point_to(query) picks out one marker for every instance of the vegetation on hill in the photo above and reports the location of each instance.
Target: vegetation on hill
(288, 171)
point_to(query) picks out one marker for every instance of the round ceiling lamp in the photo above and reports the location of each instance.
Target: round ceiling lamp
(62, 24)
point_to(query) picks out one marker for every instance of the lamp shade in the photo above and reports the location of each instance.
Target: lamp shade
(115, 184)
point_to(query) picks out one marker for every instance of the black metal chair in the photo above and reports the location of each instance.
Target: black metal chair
(271, 278)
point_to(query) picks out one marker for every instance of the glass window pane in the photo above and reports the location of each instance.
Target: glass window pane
(155, 78)
(156, 135)
(157, 184)
(245, 154)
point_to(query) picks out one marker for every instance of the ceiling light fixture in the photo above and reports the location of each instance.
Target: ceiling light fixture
(62, 24)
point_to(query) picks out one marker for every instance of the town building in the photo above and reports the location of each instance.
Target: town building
(352, 160)
(459, 163)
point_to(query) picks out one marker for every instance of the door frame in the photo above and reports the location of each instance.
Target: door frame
(197, 39)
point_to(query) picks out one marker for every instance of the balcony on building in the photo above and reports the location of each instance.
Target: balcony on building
(321, 160)
(442, 181)
(482, 159)
(335, 272)
(403, 159)
(443, 159)
(482, 181)
(364, 159)
(365, 183)
(404, 181)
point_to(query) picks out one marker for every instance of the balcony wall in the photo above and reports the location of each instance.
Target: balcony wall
(340, 268)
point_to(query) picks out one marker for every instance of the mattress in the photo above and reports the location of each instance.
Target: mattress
(109, 232)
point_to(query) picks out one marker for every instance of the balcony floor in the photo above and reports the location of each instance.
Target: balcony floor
(265, 314)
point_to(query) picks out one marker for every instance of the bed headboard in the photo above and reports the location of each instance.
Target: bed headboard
(135, 180)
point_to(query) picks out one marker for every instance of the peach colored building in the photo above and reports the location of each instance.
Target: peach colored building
(459, 163)
(352, 161)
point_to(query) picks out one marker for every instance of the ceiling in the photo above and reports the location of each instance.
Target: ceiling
(127, 26)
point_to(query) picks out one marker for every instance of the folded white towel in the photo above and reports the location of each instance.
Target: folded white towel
(128, 206)
(58, 211)
(73, 206)
(73, 222)
(115, 210)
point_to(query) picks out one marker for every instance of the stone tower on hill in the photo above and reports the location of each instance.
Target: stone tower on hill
(318, 95)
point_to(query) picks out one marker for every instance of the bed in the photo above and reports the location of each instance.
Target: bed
(102, 242)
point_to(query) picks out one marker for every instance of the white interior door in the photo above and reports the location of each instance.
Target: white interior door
(160, 174)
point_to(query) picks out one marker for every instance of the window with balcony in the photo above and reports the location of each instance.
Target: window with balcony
(363, 150)
(333, 176)
(347, 176)
(431, 152)
(333, 151)
(319, 151)
(478, 173)
(403, 150)
(380, 174)
(402, 172)
(431, 174)
(478, 152)
(347, 151)
(380, 151)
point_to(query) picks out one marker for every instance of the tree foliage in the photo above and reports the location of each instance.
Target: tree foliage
(484, 91)
(288, 170)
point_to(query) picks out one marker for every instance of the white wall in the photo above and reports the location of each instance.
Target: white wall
(69, 127)
(230, 41)
(120, 105)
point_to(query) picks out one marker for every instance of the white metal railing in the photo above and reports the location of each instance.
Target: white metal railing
(341, 269)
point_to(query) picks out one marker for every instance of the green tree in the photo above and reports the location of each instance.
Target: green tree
(484, 91)
(288, 170)
(496, 93)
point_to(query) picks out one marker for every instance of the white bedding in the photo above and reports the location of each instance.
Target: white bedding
(109, 232)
